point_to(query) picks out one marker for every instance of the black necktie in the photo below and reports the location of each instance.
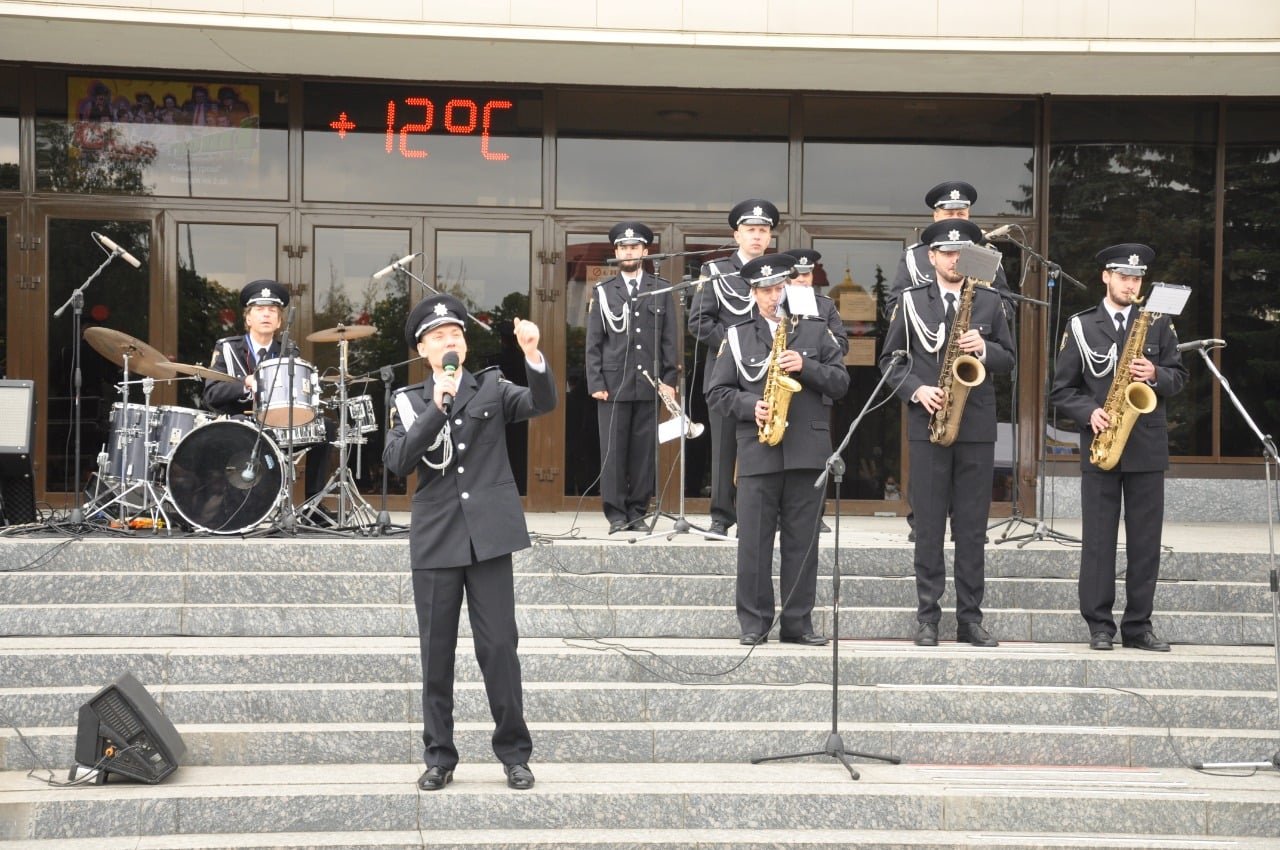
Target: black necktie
(262, 355)
(951, 308)
(1120, 323)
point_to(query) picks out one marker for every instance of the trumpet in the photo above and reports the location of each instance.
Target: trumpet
(692, 430)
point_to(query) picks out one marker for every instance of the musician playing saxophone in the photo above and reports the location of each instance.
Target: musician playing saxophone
(955, 477)
(1094, 342)
(775, 477)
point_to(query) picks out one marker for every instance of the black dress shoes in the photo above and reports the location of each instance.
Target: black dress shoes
(823, 528)
(975, 634)
(435, 778)
(1100, 640)
(911, 536)
(927, 634)
(1148, 641)
(519, 776)
(618, 525)
(718, 528)
(808, 639)
(752, 638)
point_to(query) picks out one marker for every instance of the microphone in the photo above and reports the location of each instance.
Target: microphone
(999, 231)
(450, 365)
(116, 249)
(1201, 345)
(381, 273)
(899, 354)
(250, 471)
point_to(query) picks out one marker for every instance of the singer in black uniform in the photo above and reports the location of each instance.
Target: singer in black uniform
(263, 302)
(775, 483)
(466, 521)
(955, 478)
(1083, 376)
(722, 301)
(623, 323)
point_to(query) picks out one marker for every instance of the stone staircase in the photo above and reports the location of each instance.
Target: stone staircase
(290, 668)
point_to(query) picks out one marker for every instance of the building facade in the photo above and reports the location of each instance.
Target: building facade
(223, 141)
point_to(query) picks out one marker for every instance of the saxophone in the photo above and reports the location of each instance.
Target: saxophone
(1126, 400)
(778, 389)
(960, 372)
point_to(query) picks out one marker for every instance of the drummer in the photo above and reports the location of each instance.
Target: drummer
(263, 302)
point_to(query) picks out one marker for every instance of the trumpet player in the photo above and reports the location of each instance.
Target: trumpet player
(624, 324)
(1083, 376)
(953, 478)
(775, 479)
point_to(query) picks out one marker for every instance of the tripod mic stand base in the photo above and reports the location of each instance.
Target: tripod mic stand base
(1274, 764)
(1041, 532)
(834, 748)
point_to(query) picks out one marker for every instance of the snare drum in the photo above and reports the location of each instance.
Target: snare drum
(173, 424)
(126, 450)
(226, 477)
(360, 418)
(303, 435)
(280, 396)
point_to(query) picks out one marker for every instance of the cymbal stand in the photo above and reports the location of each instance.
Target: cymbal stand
(152, 502)
(340, 483)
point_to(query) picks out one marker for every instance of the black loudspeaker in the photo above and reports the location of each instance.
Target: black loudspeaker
(123, 731)
(17, 436)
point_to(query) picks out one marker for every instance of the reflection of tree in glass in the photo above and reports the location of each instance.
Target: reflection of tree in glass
(89, 158)
(207, 311)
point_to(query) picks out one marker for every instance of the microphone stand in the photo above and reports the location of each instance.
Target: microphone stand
(383, 526)
(1270, 459)
(682, 524)
(431, 290)
(76, 303)
(1042, 530)
(834, 746)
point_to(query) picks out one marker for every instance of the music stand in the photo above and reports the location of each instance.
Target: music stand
(1270, 459)
(834, 747)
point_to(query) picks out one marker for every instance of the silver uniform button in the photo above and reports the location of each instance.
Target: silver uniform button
(461, 469)
(466, 495)
(462, 447)
(457, 422)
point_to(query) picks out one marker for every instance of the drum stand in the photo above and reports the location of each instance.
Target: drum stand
(361, 513)
(152, 502)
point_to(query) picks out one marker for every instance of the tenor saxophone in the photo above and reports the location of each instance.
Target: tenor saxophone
(1126, 400)
(960, 373)
(778, 389)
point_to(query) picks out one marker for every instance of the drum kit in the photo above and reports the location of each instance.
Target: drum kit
(221, 475)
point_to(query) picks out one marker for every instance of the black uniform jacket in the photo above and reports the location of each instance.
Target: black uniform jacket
(807, 441)
(708, 318)
(1077, 393)
(906, 276)
(923, 368)
(230, 396)
(608, 352)
(472, 505)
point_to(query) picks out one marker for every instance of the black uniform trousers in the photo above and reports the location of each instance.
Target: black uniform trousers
(627, 434)
(1101, 495)
(955, 478)
(437, 596)
(724, 457)
(789, 499)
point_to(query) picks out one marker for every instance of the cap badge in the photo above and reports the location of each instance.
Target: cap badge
(1134, 259)
(757, 211)
(441, 310)
(765, 271)
(955, 194)
(953, 235)
(266, 293)
(629, 233)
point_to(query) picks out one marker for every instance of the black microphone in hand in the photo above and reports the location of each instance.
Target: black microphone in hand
(450, 365)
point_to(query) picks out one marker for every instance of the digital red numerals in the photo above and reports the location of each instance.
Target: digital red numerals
(461, 118)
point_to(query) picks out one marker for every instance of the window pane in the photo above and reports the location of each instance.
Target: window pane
(4, 300)
(671, 151)
(191, 137)
(880, 155)
(422, 145)
(215, 261)
(344, 291)
(1251, 270)
(489, 272)
(1123, 171)
(8, 128)
(117, 299)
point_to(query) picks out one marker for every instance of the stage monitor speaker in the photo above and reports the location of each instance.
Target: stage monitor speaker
(17, 436)
(123, 731)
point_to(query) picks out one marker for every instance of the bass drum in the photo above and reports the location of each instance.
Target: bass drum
(226, 478)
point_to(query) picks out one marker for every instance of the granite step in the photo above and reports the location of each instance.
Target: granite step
(571, 620)
(233, 662)
(1012, 804)
(373, 588)
(957, 742)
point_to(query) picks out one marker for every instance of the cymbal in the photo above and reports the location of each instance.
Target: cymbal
(201, 372)
(341, 332)
(115, 346)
